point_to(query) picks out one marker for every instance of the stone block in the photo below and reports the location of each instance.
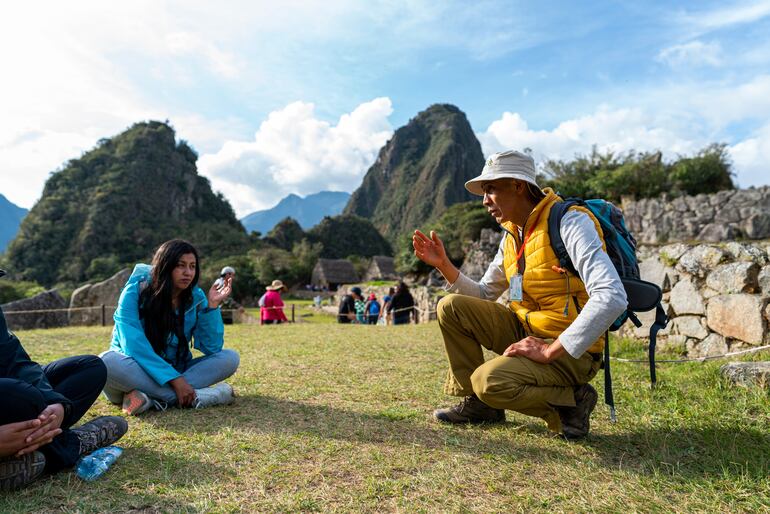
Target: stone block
(674, 343)
(734, 277)
(680, 205)
(737, 316)
(763, 280)
(689, 326)
(757, 226)
(747, 252)
(86, 301)
(53, 314)
(716, 233)
(747, 373)
(701, 259)
(685, 298)
(711, 346)
(670, 254)
(727, 214)
(652, 270)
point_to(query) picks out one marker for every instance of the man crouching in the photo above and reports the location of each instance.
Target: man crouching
(531, 376)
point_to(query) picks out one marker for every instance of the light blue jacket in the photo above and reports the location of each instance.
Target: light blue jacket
(201, 325)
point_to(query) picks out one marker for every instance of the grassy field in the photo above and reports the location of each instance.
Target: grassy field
(337, 418)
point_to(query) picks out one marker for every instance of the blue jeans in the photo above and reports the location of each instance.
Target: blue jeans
(124, 374)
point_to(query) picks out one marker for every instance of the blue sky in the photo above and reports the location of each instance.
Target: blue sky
(296, 97)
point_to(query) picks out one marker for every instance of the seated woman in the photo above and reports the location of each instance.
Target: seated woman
(38, 405)
(160, 312)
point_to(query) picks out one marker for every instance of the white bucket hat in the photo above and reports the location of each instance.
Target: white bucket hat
(508, 164)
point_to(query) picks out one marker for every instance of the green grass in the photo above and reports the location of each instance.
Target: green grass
(338, 419)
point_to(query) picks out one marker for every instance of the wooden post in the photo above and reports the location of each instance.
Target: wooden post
(292, 313)
(104, 316)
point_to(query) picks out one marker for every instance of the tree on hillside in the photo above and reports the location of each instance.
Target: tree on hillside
(348, 234)
(285, 234)
(641, 175)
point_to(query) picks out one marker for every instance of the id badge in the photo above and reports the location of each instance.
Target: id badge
(515, 290)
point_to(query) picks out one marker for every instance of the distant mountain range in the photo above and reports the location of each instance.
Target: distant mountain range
(308, 211)
(10, 219)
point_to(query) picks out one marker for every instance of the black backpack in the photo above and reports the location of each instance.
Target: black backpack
(621, 248)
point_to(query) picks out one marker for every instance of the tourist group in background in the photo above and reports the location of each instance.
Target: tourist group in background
(397, 307)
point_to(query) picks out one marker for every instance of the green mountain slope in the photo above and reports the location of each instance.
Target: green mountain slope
(420, 172)
(116, 203)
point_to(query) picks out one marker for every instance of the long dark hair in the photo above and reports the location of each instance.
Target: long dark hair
(402, 290)
(155, 301)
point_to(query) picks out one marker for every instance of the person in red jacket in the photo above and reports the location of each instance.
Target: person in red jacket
(272, 310)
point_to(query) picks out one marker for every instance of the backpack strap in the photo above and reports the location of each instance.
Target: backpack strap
(661, 320)
(558, 210)
(609, 399)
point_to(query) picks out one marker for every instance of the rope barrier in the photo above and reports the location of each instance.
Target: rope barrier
(695, 359)
(73, 309)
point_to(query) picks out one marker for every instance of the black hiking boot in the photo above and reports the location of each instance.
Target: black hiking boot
(576, 421)
(16, 472)
(100, 432)
(470, 410)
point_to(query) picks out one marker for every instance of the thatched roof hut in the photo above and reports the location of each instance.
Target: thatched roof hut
(381, 268)
(331, 273)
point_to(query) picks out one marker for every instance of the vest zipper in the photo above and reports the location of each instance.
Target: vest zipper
(566, 304)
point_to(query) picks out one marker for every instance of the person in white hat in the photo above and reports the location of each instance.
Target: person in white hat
(228, 272)
(546, 379)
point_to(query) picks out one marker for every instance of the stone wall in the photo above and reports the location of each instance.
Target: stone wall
(26, 320)
(87, 300)
(715, 295)
(719, 217)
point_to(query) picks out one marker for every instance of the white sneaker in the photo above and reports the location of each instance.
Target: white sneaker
(220, 394)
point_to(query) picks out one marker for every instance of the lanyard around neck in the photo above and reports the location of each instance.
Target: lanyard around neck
(526, 239)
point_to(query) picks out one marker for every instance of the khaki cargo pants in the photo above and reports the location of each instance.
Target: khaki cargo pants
(512, 383)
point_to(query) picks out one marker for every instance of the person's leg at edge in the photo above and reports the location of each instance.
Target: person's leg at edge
(80, 379)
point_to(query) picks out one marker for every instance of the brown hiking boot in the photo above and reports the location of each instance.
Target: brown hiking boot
(470, 410)
(576, 421)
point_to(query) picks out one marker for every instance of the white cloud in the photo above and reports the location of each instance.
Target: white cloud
(621, 130)
(694, 53)
(751, 158)
(726, 16)
(295, 152)
(618, 130)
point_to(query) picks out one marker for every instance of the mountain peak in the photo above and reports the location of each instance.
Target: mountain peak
(420, 172)
(307, 211)
(117, 202)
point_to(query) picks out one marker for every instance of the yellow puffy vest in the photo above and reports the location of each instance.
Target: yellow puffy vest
(551, 300)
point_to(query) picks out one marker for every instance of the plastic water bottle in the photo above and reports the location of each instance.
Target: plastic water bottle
(94, 465)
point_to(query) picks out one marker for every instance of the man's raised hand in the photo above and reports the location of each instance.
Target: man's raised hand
(429, 250)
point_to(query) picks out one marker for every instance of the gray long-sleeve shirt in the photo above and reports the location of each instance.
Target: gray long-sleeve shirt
(606, 295)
